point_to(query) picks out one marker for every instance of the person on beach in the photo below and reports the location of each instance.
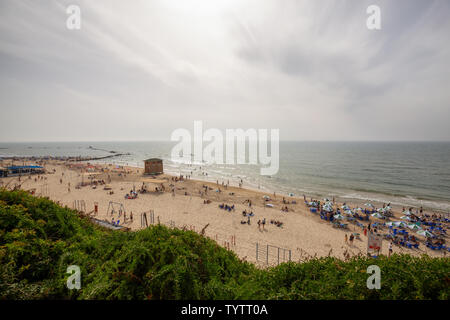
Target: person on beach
(259, 224)
(263, 223)
(346, 238)
(390, 249)
(351, 239)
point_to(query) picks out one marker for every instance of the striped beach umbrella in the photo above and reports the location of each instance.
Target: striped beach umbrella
(399, 224)
(338, 216)
(345, 207)
(425, 233)
(377, 215)
(414, 226)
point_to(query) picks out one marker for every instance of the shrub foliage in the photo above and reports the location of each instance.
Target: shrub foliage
(39, 240)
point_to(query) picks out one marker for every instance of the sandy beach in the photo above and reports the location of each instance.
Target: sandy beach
(301, 232)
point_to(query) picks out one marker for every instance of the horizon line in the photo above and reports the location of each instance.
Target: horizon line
(160, 140)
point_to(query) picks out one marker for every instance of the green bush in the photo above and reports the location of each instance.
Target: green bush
(39, 240)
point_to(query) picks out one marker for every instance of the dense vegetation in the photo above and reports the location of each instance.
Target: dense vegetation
(39, 240)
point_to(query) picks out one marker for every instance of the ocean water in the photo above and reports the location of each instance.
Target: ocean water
(404, 173)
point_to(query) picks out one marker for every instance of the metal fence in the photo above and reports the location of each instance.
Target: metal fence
(272, 255)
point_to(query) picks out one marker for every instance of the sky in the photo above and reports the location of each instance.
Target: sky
(137, 70)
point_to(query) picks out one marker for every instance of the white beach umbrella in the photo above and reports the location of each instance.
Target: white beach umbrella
(345, 207)
(424, 233)
(338, 216)
(348, 211)
(358, 209)
(400, 224)
(266, 197)
(390, 224)
(369, 205)
(414, 226)
(405, 218)
(381, 210)
(407, 212)
(377, 215)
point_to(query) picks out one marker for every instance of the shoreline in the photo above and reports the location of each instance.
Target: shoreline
(262, 189)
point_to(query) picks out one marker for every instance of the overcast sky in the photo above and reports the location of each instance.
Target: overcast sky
(137, 70)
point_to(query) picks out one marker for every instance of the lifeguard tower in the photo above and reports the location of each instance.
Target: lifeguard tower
(153, 166)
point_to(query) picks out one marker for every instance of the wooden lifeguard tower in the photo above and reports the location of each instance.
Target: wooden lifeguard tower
(153, 166)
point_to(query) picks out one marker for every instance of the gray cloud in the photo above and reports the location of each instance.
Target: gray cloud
(138, 71)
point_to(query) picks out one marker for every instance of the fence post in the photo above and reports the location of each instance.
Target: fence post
(257, 251)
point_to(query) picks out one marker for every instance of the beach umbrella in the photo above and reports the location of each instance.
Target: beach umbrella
(424, 233)
(407, 212)
(369, 205)
(266, 197)
(381, 210)
(414, 226)
(338, 216)
(377, 215)
(345, 207)
(405, 218)
(328, 209)
(358, 209)
(389, 224)
(399, 224)
(291, 194)
(348, 211)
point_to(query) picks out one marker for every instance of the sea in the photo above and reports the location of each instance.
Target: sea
(401, 173)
